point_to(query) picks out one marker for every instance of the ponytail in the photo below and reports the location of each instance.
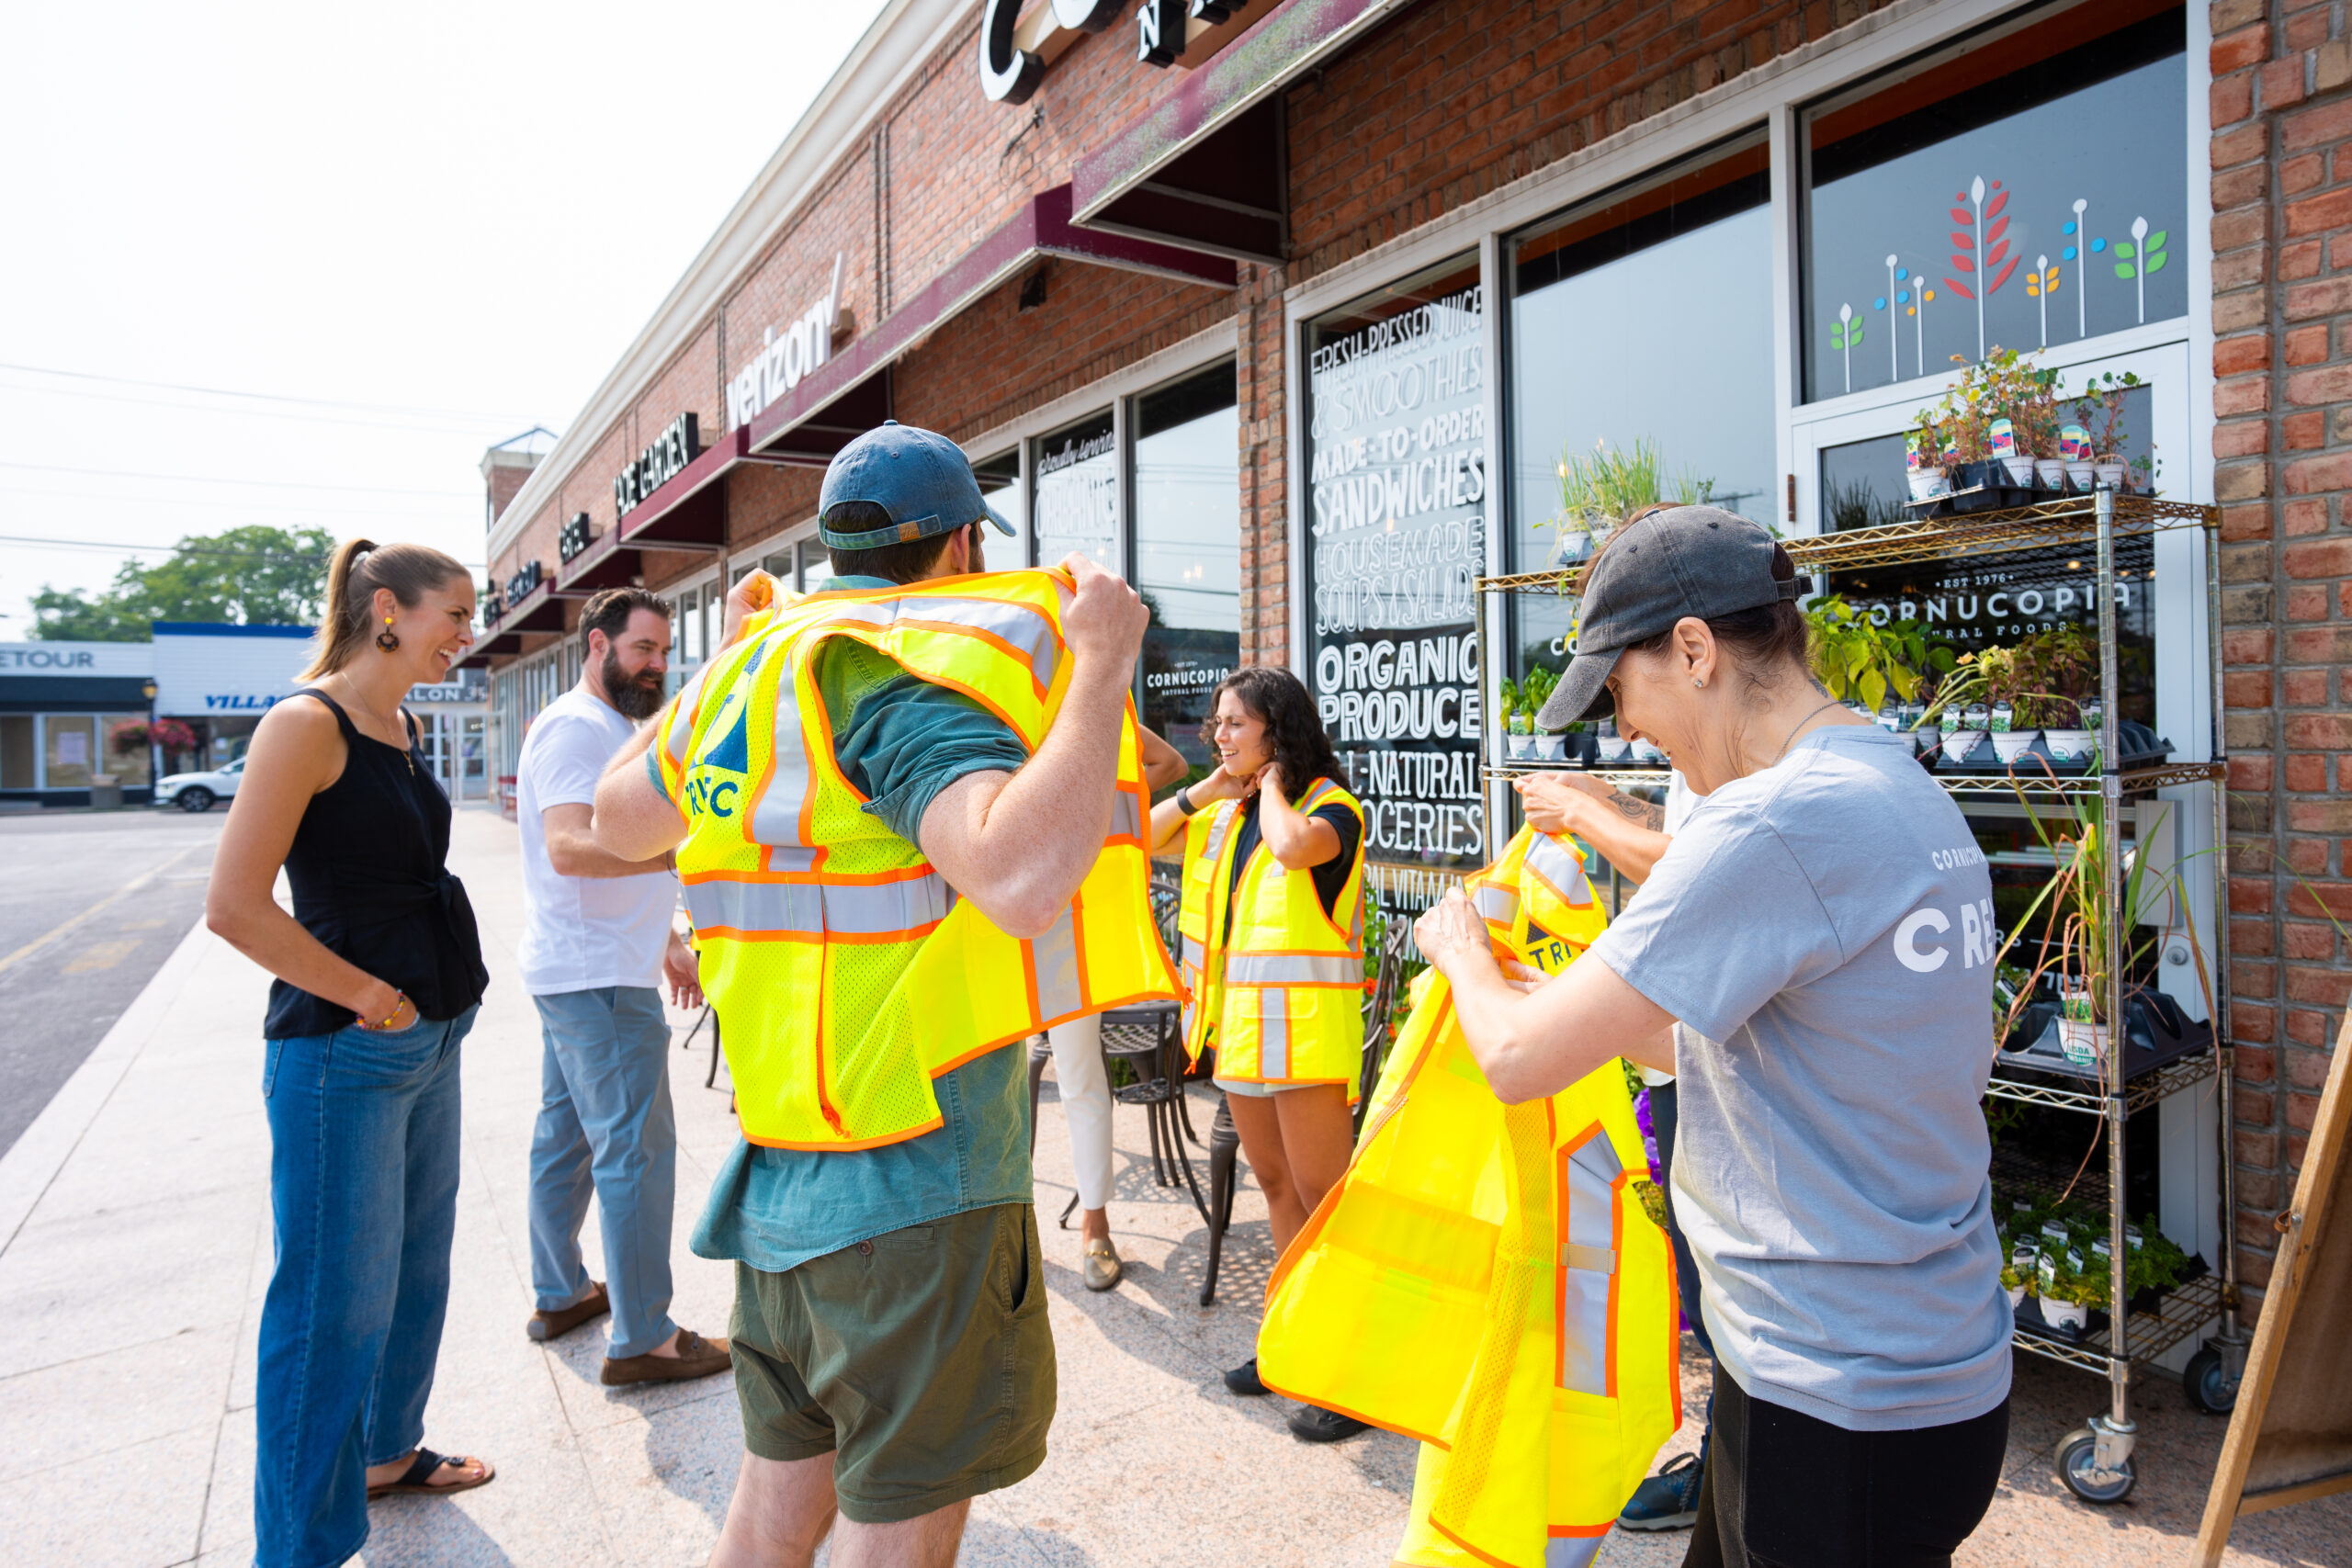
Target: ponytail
(360, 567)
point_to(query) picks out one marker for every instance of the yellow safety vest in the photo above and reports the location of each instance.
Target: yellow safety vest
(1483, 1278)
(1280, 991)
(848, 973)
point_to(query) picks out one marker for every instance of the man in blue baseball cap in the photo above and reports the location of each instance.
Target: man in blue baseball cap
(891, 1354)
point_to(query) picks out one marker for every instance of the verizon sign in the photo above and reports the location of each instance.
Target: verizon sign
(786, 357)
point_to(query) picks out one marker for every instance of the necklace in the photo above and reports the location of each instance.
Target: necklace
(351, 687)
(1794, 728)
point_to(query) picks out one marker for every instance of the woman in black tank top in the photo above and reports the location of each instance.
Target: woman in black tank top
(378, 970)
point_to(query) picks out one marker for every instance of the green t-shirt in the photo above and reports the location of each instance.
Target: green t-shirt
(775, 1209)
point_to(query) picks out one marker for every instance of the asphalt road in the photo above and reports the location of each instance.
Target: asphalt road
(59, 991)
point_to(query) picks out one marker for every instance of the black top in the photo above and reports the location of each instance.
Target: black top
(1330, 877)
(370, 869)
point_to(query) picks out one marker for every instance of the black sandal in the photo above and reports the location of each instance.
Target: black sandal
(416, 1481)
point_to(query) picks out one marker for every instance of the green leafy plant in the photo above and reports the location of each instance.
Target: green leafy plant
(2087, 943)
(1860, 661)
(1600, 489)
(1537, 688)
(2101, 411)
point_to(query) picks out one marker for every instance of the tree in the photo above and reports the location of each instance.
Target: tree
(249, 576)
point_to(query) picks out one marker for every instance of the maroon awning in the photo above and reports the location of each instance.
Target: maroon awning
(851, 392)
(605, 563)
(1204, 166)
(690, 511)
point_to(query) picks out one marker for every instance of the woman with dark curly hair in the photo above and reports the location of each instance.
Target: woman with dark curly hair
(1272, 925)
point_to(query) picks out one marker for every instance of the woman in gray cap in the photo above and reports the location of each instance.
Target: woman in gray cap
(1822, 925)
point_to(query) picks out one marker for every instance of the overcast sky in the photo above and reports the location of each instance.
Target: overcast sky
(456, 217)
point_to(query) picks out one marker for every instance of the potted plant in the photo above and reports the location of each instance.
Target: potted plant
(1537, 690)
(1600, 489)
(1518, 722)
(2084, 943)
(2101, 411)
(2007, 676)
(2013, 1283)
(1614, 747)
(2060, 666)
(1865, 664)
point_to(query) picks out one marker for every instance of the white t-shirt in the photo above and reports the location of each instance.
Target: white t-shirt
(1679, 798)
(580, 933)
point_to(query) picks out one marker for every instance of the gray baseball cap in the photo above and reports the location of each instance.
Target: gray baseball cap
(1677, 561)
(923, 479)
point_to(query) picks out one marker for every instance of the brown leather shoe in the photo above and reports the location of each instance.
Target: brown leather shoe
(547, 1326)
(696, 1358)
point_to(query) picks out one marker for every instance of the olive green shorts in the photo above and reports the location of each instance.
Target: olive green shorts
(921, 1360)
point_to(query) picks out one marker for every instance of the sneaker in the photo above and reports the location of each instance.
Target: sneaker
(1312, 1424)
(696, 1358)
(1243, 1380)
(1669, 1500)
(546, 1325)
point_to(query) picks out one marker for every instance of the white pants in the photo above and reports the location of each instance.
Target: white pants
(1085, 1086)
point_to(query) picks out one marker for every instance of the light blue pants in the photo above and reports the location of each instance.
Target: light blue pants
(605, 1127)
(363, 1196)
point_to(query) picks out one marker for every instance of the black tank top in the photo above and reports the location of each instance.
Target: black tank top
(368, 868)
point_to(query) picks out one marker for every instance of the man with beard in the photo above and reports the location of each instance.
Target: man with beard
(597, 945)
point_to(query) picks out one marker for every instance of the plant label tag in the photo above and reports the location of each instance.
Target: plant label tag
(2101, 1249)
(2074, 444)
(2054, 1231)
(2005, 438)
(1914, 461)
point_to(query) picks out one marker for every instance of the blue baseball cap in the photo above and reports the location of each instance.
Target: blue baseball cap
(922, 479)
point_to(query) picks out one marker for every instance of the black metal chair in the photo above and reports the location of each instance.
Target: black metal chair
(1224, 1141)
(1148, 1037)
(710, 1078)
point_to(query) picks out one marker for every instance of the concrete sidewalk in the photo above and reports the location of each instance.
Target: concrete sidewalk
(134, 1246)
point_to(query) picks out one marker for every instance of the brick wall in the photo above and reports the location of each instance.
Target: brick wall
(1451, 101)
(2282, 440)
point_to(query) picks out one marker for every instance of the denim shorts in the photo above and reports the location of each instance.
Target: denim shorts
(1257, 1090)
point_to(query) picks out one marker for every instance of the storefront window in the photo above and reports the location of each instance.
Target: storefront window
(2027, 194)
(72, 744)
(16, 769)
(1396, 449)
(128, 758)
(1641, 344)
(1076, 503)
(1000, 479)
(1188, 551)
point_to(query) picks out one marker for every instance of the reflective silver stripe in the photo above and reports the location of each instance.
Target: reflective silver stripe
(775, 820)
(1195, 956)
(1214, 844)
(1054, 953)
(681, 730)
(1126, 816)
(1559, 867)
(1497, 905)
(1293, 969)
(1590, 1173)
(812, 908)
(1273, 1034)
(1027, 631)
(1572, 1551)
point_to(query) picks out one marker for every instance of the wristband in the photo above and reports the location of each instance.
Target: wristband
(399, 1000)
(1184, 801)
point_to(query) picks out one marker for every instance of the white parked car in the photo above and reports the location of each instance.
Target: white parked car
(197, 792)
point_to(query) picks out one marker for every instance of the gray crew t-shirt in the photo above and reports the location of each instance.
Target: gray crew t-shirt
(1824, 929)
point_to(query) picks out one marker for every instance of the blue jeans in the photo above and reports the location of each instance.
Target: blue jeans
(605, 1127)
(363, 1196)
